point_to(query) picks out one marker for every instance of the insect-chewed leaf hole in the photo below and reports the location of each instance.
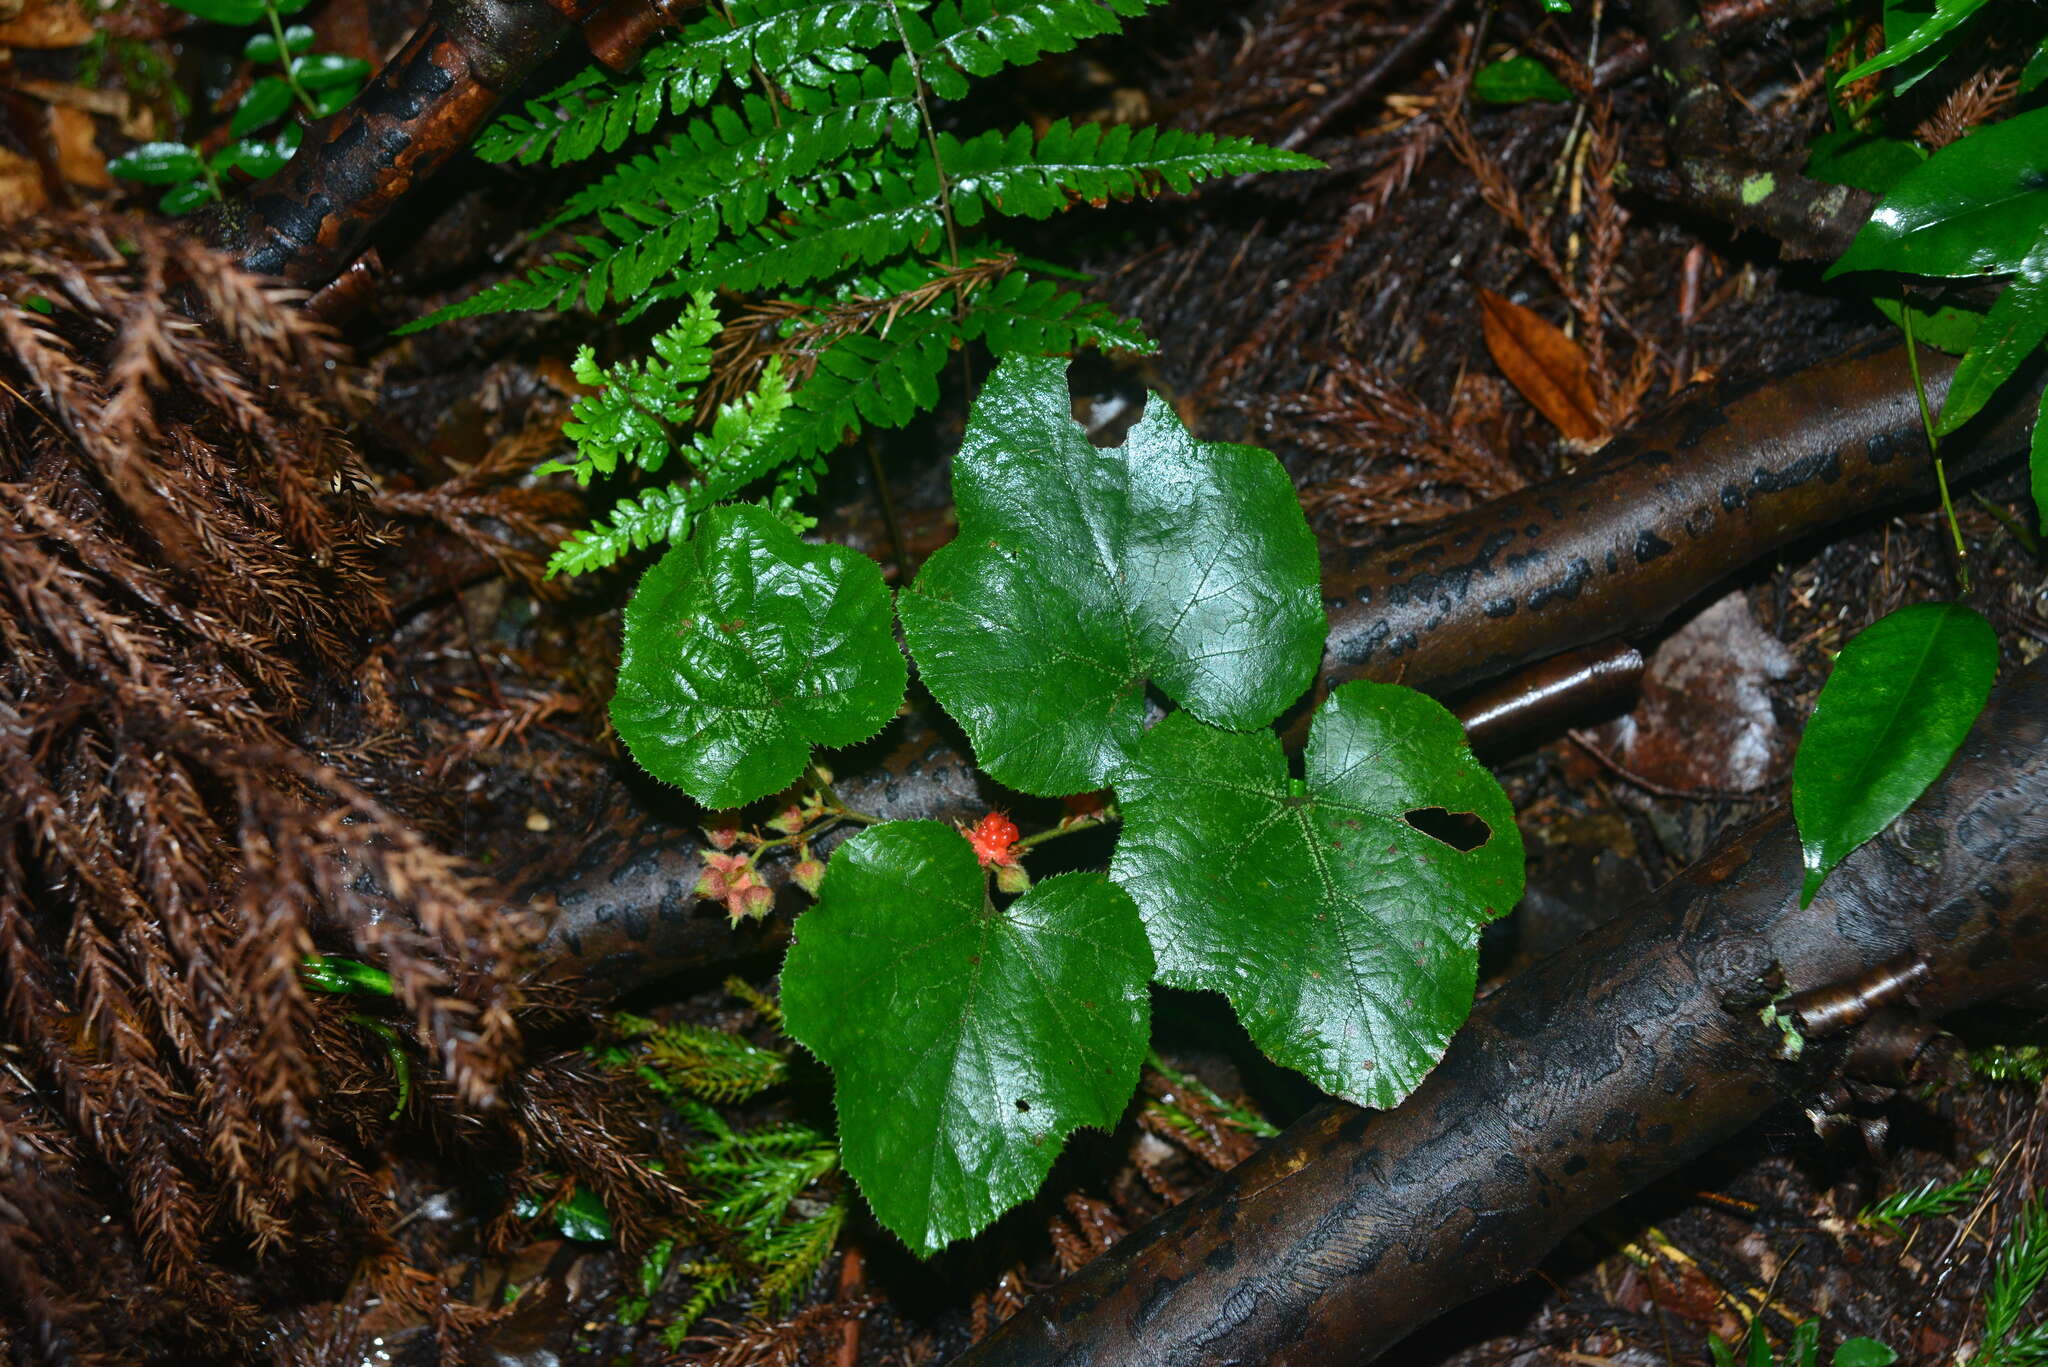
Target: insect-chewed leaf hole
(1462, 831)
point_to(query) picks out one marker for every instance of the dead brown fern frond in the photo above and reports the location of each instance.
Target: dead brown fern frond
(192, 803)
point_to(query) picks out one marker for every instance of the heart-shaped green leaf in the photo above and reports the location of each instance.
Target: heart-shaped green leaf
(1344, 934)
(1976, 207)
(744, 647)
(967, 1041)
(1081, 575)
(1902, 697)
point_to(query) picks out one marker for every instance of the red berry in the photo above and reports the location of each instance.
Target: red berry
(994, 838)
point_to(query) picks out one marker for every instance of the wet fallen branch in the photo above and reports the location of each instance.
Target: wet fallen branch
(1657, 521)
(1581, 1081)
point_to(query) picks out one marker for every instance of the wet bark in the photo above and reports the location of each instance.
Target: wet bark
(1660, 519)
(1581, 1081)
(309, 222)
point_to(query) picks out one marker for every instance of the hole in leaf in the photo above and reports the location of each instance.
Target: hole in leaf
(1108, 400)
(1462, 831)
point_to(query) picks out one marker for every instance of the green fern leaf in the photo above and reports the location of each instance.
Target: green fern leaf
(800, 44)
(628, 419)
(733, 454)
(981, 37)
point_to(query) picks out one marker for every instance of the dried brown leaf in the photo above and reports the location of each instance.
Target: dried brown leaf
(1548, 367)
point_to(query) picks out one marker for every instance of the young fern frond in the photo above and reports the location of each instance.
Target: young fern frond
(627, 420)
(735, 452)
(809, 168)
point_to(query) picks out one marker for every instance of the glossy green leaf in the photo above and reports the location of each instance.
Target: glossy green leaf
(1864, 1353)
(2010, 333)
(158, 163)
(268, 98)
(1902, 697)
(744, 647)
(2037, 463)
(265, 157)
(2036, 70)
(966, 1041)
(1931, 30)
(1344, 935)
(183, 199)
(262, 47)
(222, 11)
(327, 70)
(1850, 156)
(1082, 575)
(336, 973)
(1977, 207)
(326, 102)
(583, 1217)
(1517, 80)
(1945, 328)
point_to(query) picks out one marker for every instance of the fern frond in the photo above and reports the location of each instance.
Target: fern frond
(1012, 175)
(628, 419)
(760, 142)
(658, 515)
(727, 458)
(1004, 173)
(802, 45)
(970, 38)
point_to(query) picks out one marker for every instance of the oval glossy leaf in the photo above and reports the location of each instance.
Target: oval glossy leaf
(2010, 333)
(1082, 575)
(266, 101)
(1345, 935)
(222, 11)
(327, 70)
(1901, 698)
(966, 1041)
(744, 647)
(1977, 207)
(263, 48)
(158, 163)
(183, 199)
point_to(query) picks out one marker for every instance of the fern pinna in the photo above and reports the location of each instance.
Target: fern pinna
(807, 168)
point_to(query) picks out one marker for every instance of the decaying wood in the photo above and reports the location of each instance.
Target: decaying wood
(309, 223)
(1656, 522)
(1579, 1082)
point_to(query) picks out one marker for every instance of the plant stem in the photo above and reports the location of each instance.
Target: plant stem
(1934, 445)
(931, 134)
(284, 58)
(1072, 826)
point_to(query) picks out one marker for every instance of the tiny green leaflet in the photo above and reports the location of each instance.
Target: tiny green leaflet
(966, 1041)
(743, 648)
(1083, 575)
